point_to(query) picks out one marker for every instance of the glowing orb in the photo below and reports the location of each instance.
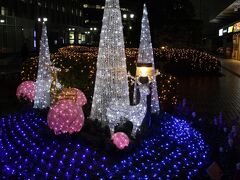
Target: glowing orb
(26, 90)
(121, 140)
(65, 117)
(73, 94)
(81, 98)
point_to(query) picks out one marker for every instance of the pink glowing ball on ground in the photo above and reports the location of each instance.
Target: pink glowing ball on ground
(81, 98)
(121, 140)
(65, 117)
(26, 90)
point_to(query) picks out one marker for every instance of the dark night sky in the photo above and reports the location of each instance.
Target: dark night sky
(208, 9)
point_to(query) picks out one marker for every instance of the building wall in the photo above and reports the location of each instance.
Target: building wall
(69, 22)
(236, 46)
(19, 25)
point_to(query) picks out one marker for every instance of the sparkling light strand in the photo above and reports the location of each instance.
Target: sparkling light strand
(44, 78)
(174, 150)
(111, 77)
(145, 55)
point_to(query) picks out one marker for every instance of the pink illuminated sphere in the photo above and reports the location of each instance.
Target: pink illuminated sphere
(65, 117)
(81, 98)
(121, 140)
(26, 90)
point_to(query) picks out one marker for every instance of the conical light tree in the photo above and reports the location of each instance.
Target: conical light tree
(111, 78)
(44, 78)
(145, 55)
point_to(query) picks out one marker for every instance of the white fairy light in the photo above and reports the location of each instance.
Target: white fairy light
(145, 55)
(44, 79)
(136, 114)
(111, 77)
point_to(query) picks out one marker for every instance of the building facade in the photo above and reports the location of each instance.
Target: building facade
(228, 32)
(69, 22)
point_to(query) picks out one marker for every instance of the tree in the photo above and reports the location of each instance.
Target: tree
(111, 78)
(44, 78)
(145, 55)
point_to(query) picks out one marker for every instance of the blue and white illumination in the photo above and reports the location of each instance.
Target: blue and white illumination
(29, 150)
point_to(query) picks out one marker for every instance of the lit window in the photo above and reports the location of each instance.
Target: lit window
(125, 16)
(63, 9)
(83, 37)
(95, 29)
(80, 13)
(98, 7)
(79, 38)
(131, 16)
(2, 21)
(85, 5)
(71, 37)
(3, 11)
(86, 21)
(130, 27)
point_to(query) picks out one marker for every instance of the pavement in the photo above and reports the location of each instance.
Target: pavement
(212, 95)
(232, 66)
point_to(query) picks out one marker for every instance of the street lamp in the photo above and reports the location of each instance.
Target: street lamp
(144, 72)
(44, 19)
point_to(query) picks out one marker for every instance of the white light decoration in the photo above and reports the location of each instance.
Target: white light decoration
(111, 77)
(118, 110)
(45, 19)
(145, 55)
(44, 79)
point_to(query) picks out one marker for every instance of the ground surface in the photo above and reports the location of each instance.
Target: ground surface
(211, 95)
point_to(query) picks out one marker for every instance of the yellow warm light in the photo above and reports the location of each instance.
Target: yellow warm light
(144, 70)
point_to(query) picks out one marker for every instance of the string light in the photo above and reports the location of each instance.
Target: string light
(118, 110)
(121, 140)
(111, 76)
(65, 117)
(44, 79)
(73, 58)
(198, 61)
(145, 55)
(26, 90)
(30, 151)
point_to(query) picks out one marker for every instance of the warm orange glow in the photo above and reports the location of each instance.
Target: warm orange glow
(144, 70)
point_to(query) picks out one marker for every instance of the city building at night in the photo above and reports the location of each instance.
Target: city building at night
(68, 22)
(229, 30)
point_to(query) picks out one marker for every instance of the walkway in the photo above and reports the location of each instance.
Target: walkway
(211, 95)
